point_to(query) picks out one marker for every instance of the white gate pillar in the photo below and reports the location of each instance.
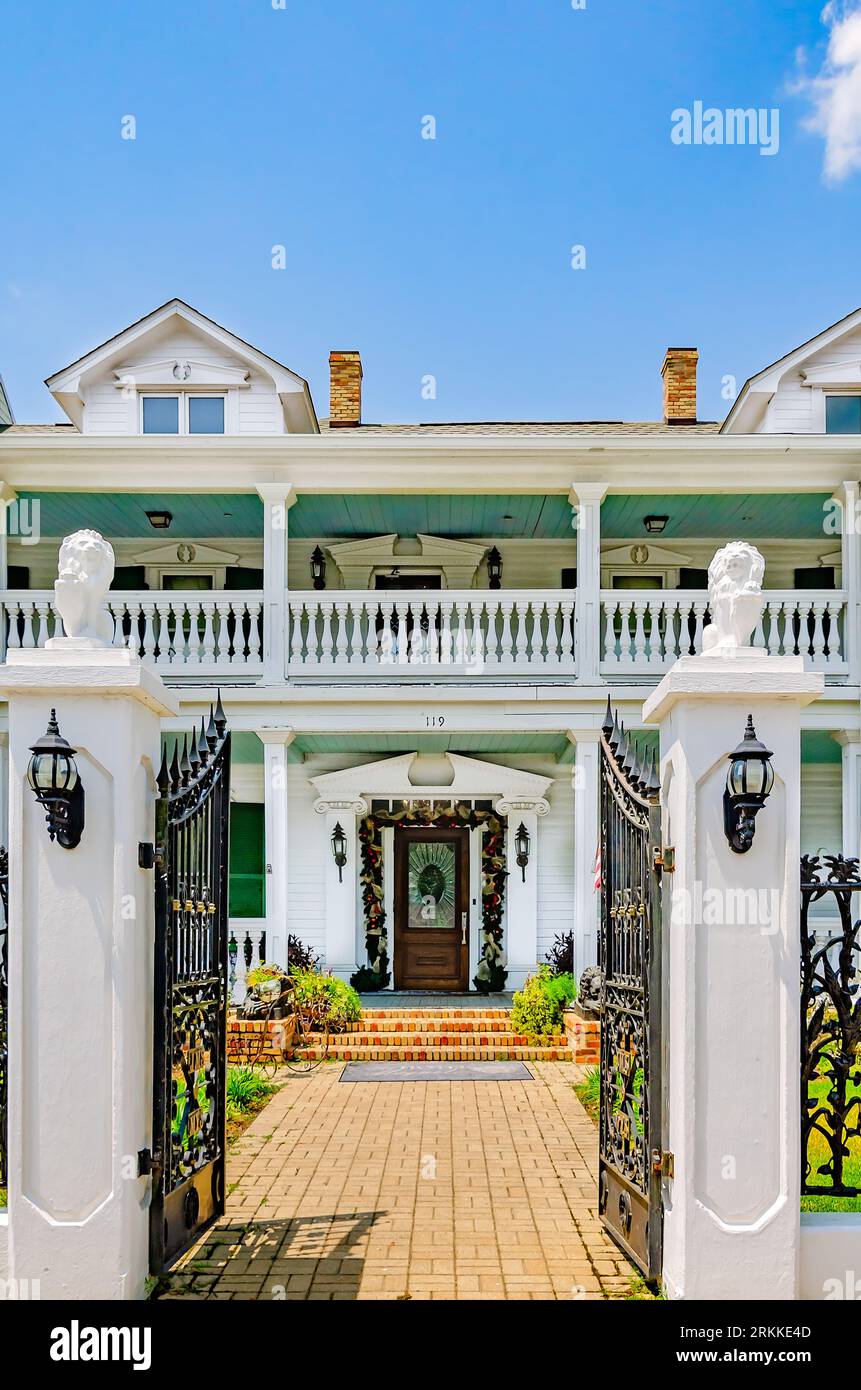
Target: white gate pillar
(341, 884)
(731, 972)
(521, 890)
(587, 766)
(276, 807)
(81, 930)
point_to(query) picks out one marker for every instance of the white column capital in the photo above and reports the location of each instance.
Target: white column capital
(276, 737)
(7, 492)
(845, 737)
(520, 805)
(277, 494)
(583, 492)
(583, 736)
(356, 806)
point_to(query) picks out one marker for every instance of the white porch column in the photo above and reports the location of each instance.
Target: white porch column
(586, 499)
(587, 765)
(4, 787)
(521, 890)
(276, 831)
(731, 962)
(81, 937)
(850, 558)
(277, 500)
(341, 884)
(850, 742)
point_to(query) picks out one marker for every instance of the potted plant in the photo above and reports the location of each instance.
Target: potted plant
(266, 981)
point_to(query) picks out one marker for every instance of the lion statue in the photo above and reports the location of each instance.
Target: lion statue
(86, 569)
(735, 596)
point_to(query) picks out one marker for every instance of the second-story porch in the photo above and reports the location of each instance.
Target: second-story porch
(590, 587)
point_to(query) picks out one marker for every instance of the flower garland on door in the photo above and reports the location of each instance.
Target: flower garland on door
(491, 974)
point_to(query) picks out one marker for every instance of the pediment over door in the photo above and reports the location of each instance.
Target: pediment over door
(464, 779)
(358, 560)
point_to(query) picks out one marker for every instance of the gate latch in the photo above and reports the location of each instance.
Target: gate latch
(148, 1162)
(665, 858)
(663, 1162)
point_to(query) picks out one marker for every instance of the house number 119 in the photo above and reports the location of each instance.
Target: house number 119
(434, 721)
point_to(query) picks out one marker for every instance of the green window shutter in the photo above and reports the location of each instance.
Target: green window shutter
(247, 860)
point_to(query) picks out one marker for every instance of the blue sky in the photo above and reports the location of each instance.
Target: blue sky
(301, 126)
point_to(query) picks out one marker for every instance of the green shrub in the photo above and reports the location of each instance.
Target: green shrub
(368, 981)
(340, 1002)
(537, 1008)
(245, 1089)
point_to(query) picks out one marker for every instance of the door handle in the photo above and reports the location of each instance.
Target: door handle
(464, 919)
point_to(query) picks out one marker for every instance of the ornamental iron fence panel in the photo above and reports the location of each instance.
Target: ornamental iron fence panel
(191, 990)
(830, 1030)
(629, 954)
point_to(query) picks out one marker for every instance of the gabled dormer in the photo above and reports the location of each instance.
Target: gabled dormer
(176, 372)
(815, 389)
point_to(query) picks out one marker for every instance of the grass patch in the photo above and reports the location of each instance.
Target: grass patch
(247, 1095)
(588, 1092)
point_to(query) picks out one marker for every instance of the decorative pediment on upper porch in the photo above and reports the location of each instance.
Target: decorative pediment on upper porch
(358, 560)
(463, 779)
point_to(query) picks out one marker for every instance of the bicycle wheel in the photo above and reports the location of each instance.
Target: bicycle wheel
(306, 1051)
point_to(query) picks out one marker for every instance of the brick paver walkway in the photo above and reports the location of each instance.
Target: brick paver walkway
(443, 1190)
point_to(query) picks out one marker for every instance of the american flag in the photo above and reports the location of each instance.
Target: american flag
(597, 883)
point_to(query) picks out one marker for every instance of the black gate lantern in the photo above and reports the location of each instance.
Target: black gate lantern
(748, 782)
(522, 844)
(494, 568)
(339, 849)
(53, 774)
(318, 568)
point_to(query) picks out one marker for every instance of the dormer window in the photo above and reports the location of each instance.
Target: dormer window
(183, 413)
(843, 414)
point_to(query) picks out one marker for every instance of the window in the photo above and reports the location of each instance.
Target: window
(182, 414)
(161, 414)
(206, 415)
(843, 414)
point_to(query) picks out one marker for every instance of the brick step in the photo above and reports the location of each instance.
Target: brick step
(429, 1025)
(442, 1012)
(442, 1054)
(412, 1037)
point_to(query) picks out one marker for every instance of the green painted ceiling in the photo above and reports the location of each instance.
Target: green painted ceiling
(553, 744)
(123, 514)
(717, 516)
(817, 746)
(793, 516)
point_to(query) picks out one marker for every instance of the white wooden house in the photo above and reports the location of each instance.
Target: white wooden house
(421, 624)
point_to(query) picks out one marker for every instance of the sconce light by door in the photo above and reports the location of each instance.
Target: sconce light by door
(53, 775)
(339, 849)
(748, 783)
(522, 844)
(318, 568)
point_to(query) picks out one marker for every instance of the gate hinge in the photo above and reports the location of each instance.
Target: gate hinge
(148, 1162)
(146, 855)
(665, 858)
(663, 1162)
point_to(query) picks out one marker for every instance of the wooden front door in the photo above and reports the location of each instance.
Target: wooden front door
(431, 909)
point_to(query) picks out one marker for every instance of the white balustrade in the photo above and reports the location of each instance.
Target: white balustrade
(643, 633)
(193, 633)
(246, 944)
(450, 632)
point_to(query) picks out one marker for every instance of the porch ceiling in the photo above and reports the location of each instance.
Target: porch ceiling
(546, 744)
(726, 516)
(124, 514)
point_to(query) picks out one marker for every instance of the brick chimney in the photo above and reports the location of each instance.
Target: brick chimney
(345, 390)
(680, 386)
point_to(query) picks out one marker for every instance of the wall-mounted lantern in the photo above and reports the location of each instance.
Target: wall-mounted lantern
(748, 782)
(522, 844)
(494, 568)
(339, 849)
(318, 568)
(53, 774)
(655, 524)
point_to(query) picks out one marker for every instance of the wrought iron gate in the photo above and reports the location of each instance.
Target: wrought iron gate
(631, 1154)
(190, 990)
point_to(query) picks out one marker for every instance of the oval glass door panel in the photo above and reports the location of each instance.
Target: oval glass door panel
(432, 885)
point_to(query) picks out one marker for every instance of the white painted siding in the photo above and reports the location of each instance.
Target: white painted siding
(306, 846)
(821, 818)
(556, 864)
(796, 408)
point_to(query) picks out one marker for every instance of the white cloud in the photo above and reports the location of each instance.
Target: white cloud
(835, 91)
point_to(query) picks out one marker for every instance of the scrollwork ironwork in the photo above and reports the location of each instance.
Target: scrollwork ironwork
(830, 1027)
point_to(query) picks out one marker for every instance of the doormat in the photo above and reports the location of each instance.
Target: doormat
(436, 1071)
